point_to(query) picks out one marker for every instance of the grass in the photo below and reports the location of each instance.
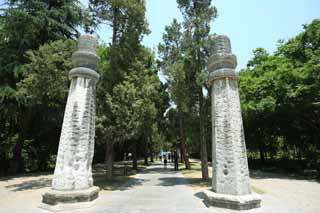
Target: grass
(194, 178)
(257, 190)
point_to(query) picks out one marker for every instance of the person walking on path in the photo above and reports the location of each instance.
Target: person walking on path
(176, 160)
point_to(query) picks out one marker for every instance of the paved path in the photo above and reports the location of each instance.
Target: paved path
(157, 190)
(154, 191)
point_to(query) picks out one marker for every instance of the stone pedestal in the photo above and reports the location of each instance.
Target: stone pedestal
(230, 178)
(237, 202)
(72, 185)
(56, 200)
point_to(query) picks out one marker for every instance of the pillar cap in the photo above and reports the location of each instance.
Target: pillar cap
(84, 72)
(221, 44)
(86, 54)
(219, 61)
(222, 62)
(221, 74)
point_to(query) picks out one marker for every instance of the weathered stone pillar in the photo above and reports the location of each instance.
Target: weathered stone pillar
(72, 185)
(230, 175)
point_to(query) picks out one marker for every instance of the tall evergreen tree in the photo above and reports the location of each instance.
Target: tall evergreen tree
(127, 19)
(280, 100)
(172, 64)
(27, 24)
(198, 16)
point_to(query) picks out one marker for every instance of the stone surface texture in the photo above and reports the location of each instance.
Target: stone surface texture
(76, 147)
(55, 200)
(236, 202)
(229, 159)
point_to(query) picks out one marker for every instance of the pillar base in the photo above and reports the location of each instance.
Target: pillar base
(55, 200)
(236, 202)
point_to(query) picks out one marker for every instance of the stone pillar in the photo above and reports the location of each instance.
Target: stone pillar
(230, 175)
(72, 185)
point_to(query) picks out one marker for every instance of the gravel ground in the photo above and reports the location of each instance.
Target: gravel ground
(303, 194)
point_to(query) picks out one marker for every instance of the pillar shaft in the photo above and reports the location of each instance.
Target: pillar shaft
(230, 173)
(76, 146)
(72, 184)
(230, 166)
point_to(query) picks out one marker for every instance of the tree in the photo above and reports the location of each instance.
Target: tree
(133, 102)
(197, 19)
(26, 25)
(172, 64)
(280, 96)
(44, 90)
(127, 19)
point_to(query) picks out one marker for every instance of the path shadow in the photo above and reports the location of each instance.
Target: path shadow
(158, 170)
(34, 174)
(202, 197)
(121, 183)
(172, 181)
(30, 184)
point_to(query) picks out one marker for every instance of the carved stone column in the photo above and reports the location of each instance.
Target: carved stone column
(72, 185)
(230, 175)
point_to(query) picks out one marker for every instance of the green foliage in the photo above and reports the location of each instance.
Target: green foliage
(133, 100)
(46, 81)
(184, 53)
(44, 91)
(280, 96)
(127, 19)
(130, 97)
(172, 65)
(25, 26)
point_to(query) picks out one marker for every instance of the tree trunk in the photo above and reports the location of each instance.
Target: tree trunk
(134, 157)
(150, 146)
(203, 144)
(146, 159)
(261, 152)
(183, 142)
(181, 158)
(109, 160)
(151, 157)
(16, 165)
(145, 150)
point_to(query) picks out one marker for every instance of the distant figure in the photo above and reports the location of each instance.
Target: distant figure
(165, 161)
(176, 161)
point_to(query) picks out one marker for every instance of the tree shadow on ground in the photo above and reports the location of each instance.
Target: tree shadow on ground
(30, 184)
(121, 183)
(33, 174)
(158, 170)
(258, 174)
(118, 182)
(172, 181)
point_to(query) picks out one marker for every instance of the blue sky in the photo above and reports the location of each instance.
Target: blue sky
(248, 23)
